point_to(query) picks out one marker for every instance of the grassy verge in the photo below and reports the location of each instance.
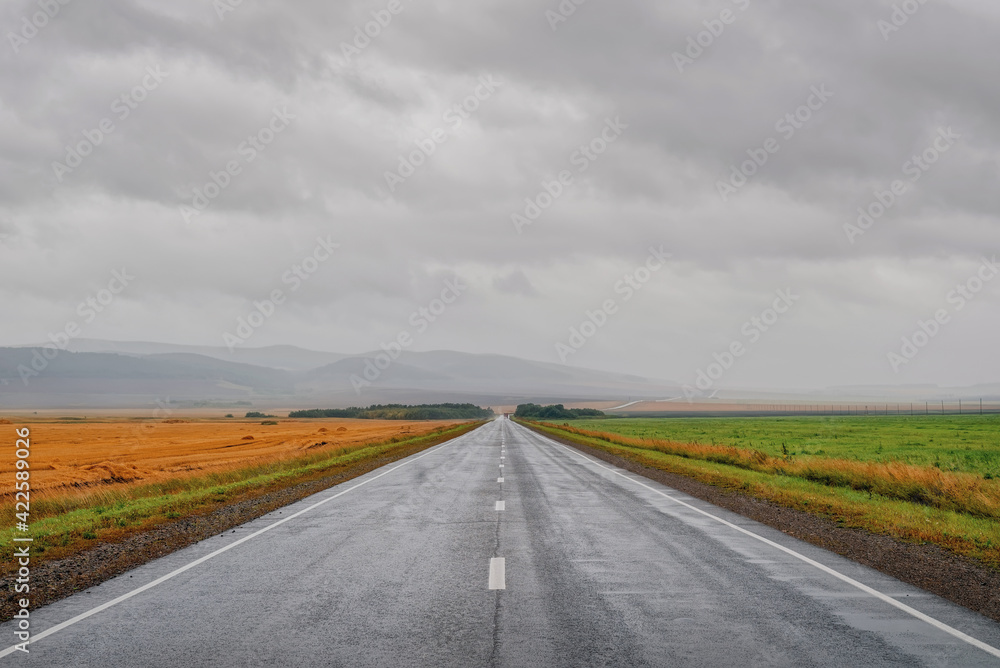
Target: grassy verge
(63, 525)
(852, 497)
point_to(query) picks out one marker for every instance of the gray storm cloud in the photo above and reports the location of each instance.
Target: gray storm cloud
(142, 135)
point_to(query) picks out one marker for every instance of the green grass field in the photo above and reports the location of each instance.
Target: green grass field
(969, 443)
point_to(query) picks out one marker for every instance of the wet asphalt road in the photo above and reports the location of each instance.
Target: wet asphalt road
(418, 564)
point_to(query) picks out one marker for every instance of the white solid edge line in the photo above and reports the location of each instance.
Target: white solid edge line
(124, 597)
(498, 575)
(989, 649)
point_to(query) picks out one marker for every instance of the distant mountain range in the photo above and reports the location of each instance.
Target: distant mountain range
(93, 373)
(290, 358)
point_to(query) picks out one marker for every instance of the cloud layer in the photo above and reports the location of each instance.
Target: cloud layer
(535, 153)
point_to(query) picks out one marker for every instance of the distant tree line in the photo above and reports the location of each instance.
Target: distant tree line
(400, 412)
(554, 412)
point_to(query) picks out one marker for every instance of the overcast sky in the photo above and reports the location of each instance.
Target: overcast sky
(114, 115)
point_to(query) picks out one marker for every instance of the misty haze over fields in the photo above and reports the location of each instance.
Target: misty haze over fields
(156, 376)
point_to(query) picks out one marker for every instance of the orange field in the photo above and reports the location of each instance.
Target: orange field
(68, 456)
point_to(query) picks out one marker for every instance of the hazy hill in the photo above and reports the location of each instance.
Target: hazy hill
(291, 358)
(140, 373)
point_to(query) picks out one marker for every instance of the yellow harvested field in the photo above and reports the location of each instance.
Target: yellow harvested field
(106, 453)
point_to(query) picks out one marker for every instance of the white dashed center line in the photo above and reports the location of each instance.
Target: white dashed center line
(498, 577)
(500, 505)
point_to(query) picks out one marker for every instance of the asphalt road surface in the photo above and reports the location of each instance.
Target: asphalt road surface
(503, 548)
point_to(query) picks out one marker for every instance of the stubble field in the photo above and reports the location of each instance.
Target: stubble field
(75, 455)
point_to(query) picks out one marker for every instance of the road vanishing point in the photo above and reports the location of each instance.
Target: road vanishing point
(503, 548)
